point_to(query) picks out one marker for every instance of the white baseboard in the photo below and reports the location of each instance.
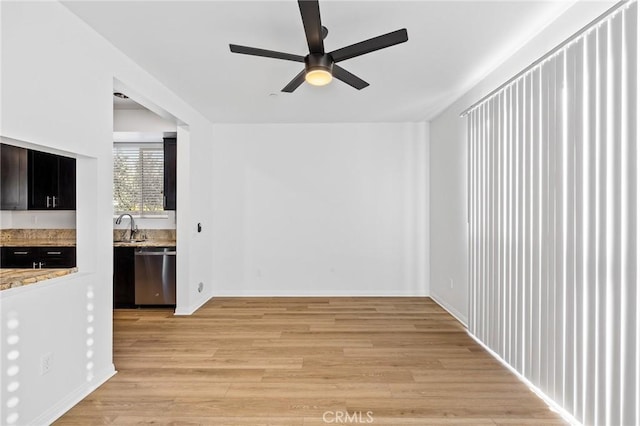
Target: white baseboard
(69, 401)
(191, 309)
(453, 311)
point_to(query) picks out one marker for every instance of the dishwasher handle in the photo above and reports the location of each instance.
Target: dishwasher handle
(155, 253)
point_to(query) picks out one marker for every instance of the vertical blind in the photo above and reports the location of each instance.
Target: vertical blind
(138, 179)
(553, 223)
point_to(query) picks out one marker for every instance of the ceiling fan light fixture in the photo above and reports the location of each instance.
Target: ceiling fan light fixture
(318, 77)
(318, 69)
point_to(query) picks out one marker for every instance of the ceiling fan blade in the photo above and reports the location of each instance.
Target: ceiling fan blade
(310, 12)
(266, 53)
(371, 45)
(295, 83)
(345, 76)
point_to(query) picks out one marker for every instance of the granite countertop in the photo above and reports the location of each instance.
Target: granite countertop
(11, 278)
(145, 243)
(37, 243)
(37, 238)
(145, 238)
(69, 243)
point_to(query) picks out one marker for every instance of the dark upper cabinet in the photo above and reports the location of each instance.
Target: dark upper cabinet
(43, 179)
(67, 183)
(52, 181)
(170, 161)
(13, 178)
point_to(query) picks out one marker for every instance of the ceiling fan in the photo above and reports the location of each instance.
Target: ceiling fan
(319, 66)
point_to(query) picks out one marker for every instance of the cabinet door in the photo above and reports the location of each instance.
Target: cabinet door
(43, 179)
(13, 178)
(57, 257)
(52, 181)
(18, 257)
(170, 176)
(123, 277)
(66, 198)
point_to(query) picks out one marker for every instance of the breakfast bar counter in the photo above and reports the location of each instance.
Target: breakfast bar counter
(11, 278)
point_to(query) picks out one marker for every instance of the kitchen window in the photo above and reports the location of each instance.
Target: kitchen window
(138, 179)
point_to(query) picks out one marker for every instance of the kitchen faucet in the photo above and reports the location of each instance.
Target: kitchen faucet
(134, 227)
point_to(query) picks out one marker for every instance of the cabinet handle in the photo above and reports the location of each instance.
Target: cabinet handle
(40, 264)
(54, 201)
(54, 252)
(20, 252)
(48, 201)
(34, 265)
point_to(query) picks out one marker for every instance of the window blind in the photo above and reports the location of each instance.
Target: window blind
(138, 179)
(553, 223)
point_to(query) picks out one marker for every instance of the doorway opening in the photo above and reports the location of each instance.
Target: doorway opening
(144, 204)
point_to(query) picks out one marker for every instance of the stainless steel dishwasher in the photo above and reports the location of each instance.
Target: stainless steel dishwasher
(155, 276)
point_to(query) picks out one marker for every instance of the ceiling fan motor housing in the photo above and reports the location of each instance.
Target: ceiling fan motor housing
(318, 61)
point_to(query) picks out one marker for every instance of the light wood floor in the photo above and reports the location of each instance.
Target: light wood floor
(291, 361)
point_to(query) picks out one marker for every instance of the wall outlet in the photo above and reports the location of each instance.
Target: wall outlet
(46, 363)
(450, 282)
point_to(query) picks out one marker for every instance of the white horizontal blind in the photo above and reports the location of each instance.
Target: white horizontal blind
(138, 179)
(553, 222)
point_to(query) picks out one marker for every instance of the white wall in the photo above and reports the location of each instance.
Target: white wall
(62, 219)
(448, 154)
(140, 120)
(57, 82)
(320, 209)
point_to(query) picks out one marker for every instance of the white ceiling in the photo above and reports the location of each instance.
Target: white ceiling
(452, 44)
